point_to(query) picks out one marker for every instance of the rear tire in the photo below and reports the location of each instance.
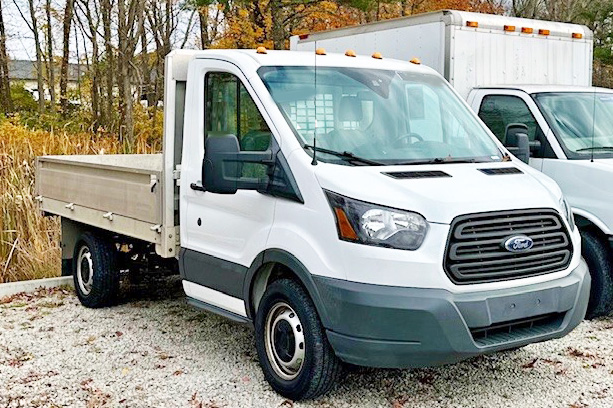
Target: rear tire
(294, 352)
(598, 259)
(96, 277)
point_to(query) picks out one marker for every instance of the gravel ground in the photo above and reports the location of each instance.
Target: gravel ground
(153, 350)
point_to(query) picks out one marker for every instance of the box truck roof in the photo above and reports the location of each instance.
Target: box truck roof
(461, 19)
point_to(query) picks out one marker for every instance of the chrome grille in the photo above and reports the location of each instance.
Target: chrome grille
(476, 253)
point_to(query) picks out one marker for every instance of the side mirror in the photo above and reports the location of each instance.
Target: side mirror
(535, 146)
(517, 141)
(223, 162)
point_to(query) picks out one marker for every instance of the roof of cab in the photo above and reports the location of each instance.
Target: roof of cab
(534, 89)
(250, 57)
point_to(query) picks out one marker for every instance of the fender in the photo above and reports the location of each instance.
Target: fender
(282, 257)
(593, 219)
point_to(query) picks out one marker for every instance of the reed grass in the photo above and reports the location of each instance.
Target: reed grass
(29, 242)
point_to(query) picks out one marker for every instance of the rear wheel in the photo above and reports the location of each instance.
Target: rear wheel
(598, 258)
(294, 352)
(96, 278)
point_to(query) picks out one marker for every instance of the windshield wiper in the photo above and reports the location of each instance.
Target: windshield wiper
(345, 155)
(595, 148)
(438, 160)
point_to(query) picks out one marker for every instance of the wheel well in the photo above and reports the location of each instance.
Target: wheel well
(585, 224)
(127, 249)
(266, 275)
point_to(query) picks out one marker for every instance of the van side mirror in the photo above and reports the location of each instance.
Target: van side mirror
(222, 166)
(517, 141)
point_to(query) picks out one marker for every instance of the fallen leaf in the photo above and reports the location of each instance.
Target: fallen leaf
(531, 363)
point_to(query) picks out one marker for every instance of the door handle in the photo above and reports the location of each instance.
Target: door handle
(197, 187)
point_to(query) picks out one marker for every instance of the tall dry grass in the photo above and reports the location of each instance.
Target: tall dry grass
(29, 242)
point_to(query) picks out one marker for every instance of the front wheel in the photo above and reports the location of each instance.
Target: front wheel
(294, 352)
(598, 259)
(96, 277)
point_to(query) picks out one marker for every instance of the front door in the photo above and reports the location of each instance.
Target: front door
(221, 234)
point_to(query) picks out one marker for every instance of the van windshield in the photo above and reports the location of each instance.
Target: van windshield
(581, 121)
(381, 116)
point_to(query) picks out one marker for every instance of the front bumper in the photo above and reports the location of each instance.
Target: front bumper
(396, 327)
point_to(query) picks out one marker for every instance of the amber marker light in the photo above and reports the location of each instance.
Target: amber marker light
(344, 226)
(472, 24)
(577, 36)
(510, 28)
(415, 61)
(320, 51)
(527, 30)
(544, 32)
(350, 53)
(261, 50)
(377, 55)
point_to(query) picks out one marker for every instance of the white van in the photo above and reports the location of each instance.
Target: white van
(517, 71)
(303, 193)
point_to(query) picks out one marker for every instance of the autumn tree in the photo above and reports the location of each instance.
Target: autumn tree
(88, 20)
(50, 61)
(66, 27)
(5, 86)
(130, 18)
(106, 13)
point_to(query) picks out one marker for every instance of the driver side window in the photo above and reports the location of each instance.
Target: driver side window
(498, 111)
(229, 109)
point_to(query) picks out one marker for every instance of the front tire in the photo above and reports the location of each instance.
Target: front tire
(294, 352)
(598, 259)
(96, 277)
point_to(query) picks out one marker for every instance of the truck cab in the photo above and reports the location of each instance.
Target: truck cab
(570, 129)
(477, 53)
(352, 209)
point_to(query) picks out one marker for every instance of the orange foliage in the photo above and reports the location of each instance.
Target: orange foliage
(249, 24)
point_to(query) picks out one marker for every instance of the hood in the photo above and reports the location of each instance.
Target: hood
(605, 164)
(465, 189)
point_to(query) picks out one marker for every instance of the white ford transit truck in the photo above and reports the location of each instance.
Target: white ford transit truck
(304, 193)
(519, 71)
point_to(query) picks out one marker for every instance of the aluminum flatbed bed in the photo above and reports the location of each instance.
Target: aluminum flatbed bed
(121, 193)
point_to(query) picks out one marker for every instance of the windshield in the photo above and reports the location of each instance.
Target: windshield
(391, 117)
(581, 121)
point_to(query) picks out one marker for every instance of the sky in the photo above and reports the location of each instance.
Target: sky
(20, 40)
(20, 44)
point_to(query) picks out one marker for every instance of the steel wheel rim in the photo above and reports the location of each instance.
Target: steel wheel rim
(284, 341)
(85, 270)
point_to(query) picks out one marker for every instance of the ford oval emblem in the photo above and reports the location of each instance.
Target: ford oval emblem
(518, 243)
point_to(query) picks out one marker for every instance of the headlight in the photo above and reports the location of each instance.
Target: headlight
(568, 212)
(372, 224)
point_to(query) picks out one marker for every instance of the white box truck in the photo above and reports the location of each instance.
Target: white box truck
(337, 242)
(519, 71)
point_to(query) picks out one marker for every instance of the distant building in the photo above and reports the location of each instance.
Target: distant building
(24, 71)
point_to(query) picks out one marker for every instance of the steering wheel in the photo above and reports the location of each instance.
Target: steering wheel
(403, 139)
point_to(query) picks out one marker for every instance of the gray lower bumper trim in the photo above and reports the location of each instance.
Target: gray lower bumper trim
(384, 326)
